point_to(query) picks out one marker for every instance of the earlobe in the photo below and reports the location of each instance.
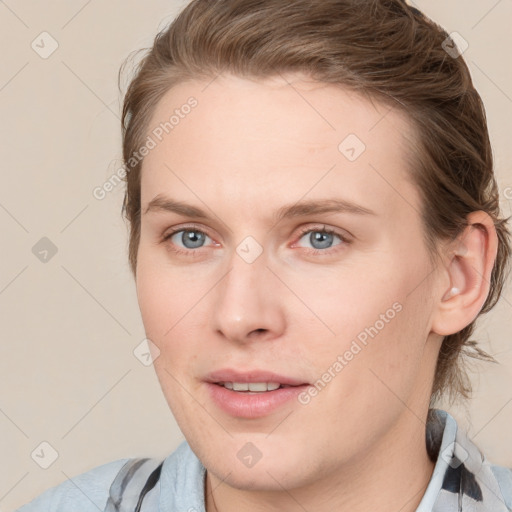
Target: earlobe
(468, 274)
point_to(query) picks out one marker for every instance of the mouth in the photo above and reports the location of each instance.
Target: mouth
(253, 387)
(252, 394)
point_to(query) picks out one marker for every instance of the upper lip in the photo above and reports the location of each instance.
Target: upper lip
(231, 375)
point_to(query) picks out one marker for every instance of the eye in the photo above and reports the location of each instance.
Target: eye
(320, 239)
(188, 239)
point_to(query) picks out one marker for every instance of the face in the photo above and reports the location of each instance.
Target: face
(281, 244)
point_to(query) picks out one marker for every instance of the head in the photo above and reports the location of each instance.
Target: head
(246, 110)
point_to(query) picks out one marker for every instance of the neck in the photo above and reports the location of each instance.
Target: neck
(390, 476)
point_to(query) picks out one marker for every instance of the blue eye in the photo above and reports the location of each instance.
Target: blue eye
(321, 238)
(188, 238)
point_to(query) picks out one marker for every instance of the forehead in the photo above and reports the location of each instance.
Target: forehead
(262, 137)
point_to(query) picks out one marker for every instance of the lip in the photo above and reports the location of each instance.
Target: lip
(231, 375)
(247, 404)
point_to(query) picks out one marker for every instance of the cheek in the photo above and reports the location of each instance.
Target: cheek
(379, 318)
(165, 294)
(155, 302)
(172, 302)
(166, 299)
(356, 298)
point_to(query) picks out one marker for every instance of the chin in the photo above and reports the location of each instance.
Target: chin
(263, 479)
(276, 468)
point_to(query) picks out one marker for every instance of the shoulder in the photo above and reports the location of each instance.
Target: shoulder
(86, 492)
(503, 478)
(181, 476)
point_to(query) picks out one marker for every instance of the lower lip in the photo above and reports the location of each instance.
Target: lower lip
(252, 405)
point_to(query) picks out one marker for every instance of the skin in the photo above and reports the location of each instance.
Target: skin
(247, 149)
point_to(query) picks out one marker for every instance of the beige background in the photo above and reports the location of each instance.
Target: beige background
(70, 325)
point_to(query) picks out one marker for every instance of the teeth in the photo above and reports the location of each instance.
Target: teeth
(257, 387)
(272, 385)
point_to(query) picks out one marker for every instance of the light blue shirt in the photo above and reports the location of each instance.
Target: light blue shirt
(462, 480)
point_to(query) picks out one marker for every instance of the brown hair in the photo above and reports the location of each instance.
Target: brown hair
(381, 48)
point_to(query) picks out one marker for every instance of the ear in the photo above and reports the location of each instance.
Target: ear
(466, 275)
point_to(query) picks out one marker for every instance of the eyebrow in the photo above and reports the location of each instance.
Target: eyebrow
(298, 209)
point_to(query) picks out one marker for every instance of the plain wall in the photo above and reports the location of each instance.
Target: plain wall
(70, 324)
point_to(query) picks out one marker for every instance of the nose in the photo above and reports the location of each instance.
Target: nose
(247, 303)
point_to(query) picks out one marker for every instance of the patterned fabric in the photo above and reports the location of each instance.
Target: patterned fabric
(463, 480)
(135, 484)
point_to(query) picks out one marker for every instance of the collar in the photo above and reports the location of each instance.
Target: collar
(463, 480)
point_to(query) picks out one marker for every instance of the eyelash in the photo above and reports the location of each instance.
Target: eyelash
(324, 229)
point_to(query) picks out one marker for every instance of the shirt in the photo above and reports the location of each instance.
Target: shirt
(463, 480)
